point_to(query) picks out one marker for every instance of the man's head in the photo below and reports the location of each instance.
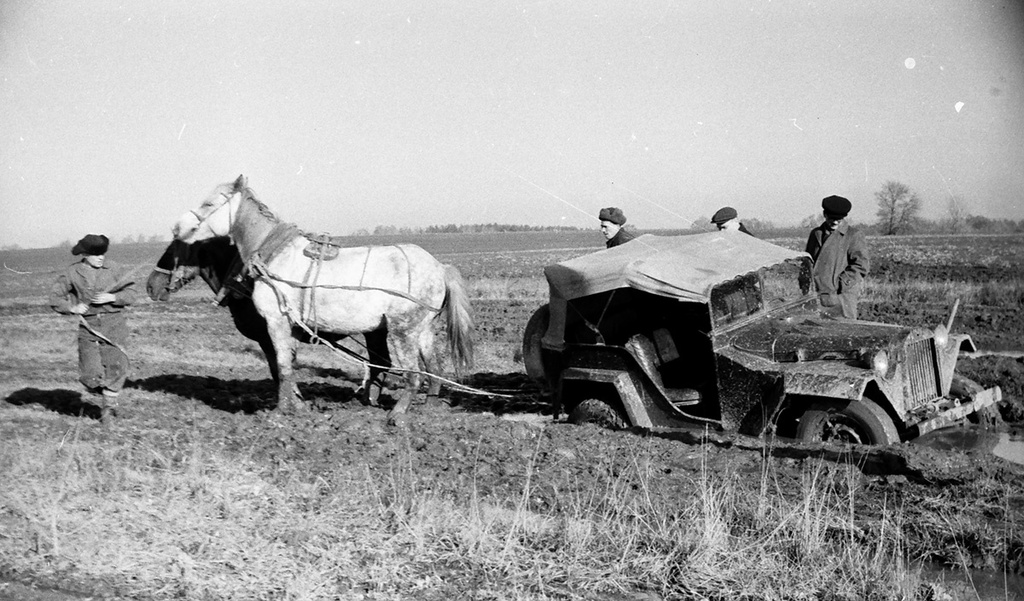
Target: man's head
(93, 248)
(726, 219)
(835, 209)
(612, 220)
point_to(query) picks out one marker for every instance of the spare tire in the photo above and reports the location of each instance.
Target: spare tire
(533, 359)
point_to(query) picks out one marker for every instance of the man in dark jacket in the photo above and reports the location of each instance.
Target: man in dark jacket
(726, 219)
(613, 221)
(840, 257)
(97, 291)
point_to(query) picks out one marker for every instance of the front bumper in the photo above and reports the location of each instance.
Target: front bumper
(952, 411)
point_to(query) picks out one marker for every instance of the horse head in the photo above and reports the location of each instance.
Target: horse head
(214, 216)
(176, 268)
(215, 260)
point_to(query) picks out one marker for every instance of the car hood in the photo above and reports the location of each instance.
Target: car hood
(815, 337)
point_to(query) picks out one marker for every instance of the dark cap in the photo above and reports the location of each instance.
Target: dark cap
(613, 214)
(91, 244)
(724, 214)
(836, 206)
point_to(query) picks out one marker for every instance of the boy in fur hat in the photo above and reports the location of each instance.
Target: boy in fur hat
(96, 291)
(612, 222)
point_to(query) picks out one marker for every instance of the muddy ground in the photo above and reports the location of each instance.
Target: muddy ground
(494, 442)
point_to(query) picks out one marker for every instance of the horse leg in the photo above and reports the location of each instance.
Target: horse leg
(404, 355)
(271, 354)
(431, 364)
(280, 331)
(377, 352)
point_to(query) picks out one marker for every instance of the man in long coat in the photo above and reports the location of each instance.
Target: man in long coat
(840, 257)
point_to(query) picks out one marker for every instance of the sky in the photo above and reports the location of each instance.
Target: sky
(117, 117)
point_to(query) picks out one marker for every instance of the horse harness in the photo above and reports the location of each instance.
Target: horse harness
(320, 248)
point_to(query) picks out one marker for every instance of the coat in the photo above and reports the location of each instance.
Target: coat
(841, 263)
(623, 236)
(81, 282)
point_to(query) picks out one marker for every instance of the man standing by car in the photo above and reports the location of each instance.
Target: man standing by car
(840, 257)
(613, 221)
(726, 219)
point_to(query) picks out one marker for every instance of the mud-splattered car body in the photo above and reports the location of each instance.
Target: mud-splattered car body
(725, 330)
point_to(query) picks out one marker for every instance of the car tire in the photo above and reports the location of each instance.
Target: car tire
(858, 422)
(599, 413)
(533, 359)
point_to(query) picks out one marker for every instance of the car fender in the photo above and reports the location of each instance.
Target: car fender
(810, 378)
(625, 384)
(810, 383)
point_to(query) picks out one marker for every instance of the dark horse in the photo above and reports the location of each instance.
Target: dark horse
(216, 261)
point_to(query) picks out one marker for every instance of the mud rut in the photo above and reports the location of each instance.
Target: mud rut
(462, 433)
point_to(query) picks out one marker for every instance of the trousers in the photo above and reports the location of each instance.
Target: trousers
(102, 365)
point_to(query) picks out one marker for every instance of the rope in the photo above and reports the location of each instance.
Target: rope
(85, 324)
(121, 284)
(257, 266)
(367, 365)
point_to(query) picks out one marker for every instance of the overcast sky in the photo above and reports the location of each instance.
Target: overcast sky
(116, 117)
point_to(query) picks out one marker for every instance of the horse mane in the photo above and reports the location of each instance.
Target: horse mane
(263, 209)
(213, 201)
(216, 199)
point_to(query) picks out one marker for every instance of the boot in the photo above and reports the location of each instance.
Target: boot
(110, 406)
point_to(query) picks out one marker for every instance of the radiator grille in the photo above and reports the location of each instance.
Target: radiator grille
(922, 371)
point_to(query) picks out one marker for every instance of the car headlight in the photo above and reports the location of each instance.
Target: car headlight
(880, 363)
(941, 336)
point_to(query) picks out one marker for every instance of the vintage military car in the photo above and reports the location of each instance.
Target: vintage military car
(725, 331)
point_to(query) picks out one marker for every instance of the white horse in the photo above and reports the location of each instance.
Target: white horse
(391, 294)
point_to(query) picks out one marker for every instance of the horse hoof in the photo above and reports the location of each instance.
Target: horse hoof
(368, 397)
(435, 402)
(291, 407)
(398, 420)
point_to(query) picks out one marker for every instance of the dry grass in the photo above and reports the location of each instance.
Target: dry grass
(199, 522)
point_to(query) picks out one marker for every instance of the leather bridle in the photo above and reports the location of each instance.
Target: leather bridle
(200, 219)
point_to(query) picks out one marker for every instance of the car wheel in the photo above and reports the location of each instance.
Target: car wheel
(863, 422)
(599, 413)
(533, 360)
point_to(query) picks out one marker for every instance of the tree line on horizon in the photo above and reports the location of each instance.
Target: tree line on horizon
(898, 213)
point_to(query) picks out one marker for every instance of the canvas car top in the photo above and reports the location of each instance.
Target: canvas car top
(680, 267)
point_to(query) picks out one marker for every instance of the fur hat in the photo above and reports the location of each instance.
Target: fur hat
(613, 214)
(836, 206)
(92, 244)
(722, 215)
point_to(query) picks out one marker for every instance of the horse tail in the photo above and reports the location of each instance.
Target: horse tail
(460, 320)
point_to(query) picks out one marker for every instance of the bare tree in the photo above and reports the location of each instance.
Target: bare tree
(811, 221)
(956, 215)
(898, 207)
